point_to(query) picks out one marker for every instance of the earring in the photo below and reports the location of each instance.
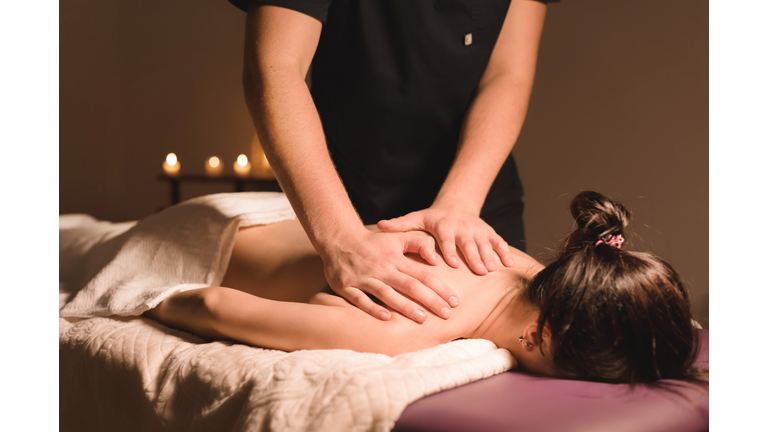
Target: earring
(520, 339)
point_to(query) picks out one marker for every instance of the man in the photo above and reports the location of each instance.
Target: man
(414, 110)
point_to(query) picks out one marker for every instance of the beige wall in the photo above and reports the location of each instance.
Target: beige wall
(140, 79)
(620, 105)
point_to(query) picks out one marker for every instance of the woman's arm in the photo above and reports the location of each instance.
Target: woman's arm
(225, 313)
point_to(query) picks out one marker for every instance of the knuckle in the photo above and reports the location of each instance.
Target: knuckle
(407, 308)
(382, 290)
(427, 278)
(355, 295)
(411, 285)
(486, 249)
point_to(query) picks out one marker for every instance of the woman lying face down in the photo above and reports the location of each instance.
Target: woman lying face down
(598, 312)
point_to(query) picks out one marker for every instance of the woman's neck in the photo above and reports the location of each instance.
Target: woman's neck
(500, 325)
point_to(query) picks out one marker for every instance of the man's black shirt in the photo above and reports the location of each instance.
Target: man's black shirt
(392, 81)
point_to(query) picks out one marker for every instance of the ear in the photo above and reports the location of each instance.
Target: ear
(531, 336)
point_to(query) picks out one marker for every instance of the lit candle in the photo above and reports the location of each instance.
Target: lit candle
(261, 168)
(242, 166)
(171, 166)
(213, 167)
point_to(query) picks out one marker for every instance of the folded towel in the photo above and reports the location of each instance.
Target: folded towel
(128, 268)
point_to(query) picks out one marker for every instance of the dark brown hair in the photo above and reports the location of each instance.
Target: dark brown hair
(615, 315)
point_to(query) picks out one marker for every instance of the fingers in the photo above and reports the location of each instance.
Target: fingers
(423, 287)
(480, 252)
(447, 242)
(469, 249)
(423, 245)
(438, 287)
(364, 303)
(409, 222)
(502, 249)
(388, 296)
(487, 255)
(397, 301)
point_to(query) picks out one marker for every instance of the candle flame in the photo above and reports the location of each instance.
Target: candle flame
(242, 160)
(213, 161)
(171, 159)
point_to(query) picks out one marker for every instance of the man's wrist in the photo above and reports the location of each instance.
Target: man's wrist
(334, 238)
(455, 204)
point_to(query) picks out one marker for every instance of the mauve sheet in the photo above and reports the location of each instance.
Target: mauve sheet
(515, 401)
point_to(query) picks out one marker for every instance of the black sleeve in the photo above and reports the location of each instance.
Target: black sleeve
(315, 8)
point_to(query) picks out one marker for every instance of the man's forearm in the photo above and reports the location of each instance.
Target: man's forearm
(491, 127)
(495, 117)
(290, 131)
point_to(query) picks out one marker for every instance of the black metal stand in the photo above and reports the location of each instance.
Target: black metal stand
(240, 183)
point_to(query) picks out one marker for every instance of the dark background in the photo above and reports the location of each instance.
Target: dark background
(620, 105)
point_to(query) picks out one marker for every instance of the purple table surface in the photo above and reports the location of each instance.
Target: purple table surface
(515, 401)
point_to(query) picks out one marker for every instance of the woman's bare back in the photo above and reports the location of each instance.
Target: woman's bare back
(273, 296)
(278, 262)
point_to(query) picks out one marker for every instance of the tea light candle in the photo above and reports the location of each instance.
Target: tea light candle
(242, 166)
(171, 166)
(213, 167)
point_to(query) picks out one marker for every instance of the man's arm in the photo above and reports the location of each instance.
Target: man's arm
(280, 44)
(491, 127)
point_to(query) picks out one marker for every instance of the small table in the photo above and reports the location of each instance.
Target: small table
(239, 183)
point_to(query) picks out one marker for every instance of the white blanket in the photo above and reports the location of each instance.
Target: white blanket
(127, 269)
(132, 373)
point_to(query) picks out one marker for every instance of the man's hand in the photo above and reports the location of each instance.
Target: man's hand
(374, 263)
(475, 238)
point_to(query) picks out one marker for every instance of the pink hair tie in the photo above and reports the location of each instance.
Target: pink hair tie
(610, 240)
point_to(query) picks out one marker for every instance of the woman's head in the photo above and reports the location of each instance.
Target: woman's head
(613, 315)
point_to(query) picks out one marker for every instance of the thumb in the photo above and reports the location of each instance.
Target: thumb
(409, 222)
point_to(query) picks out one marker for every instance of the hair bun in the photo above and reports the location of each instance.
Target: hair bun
(596, 216)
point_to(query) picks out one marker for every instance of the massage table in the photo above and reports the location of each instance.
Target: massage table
(516, 401)
(129, 373)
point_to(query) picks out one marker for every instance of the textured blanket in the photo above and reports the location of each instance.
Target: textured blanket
(128, 268)
(131, 374)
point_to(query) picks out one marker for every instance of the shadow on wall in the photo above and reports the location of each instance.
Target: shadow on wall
(620, 105)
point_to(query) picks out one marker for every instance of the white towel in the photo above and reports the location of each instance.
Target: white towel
(128, 268)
